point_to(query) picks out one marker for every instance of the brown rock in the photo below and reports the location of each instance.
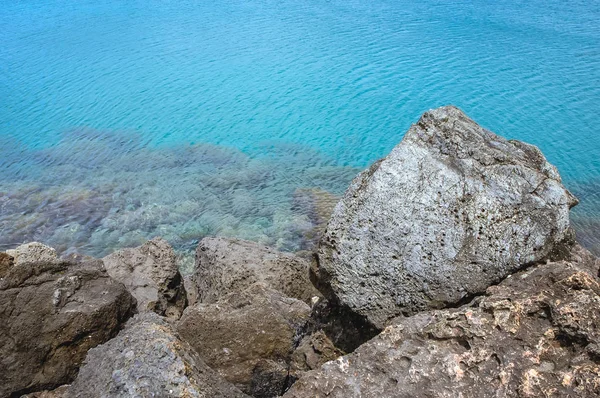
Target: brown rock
(533, 335)
(6, 263)
(248, 337)
(225, 266)
(148, 359)
(150, 273)
(50, 315)
(312, 352)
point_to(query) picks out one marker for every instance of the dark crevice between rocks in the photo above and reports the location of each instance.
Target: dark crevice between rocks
(346, 329)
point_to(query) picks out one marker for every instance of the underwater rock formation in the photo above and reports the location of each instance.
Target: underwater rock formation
(450, 211)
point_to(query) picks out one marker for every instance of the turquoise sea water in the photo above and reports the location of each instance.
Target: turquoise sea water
(120, 121)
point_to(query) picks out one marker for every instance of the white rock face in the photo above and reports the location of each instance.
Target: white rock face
(451, 210)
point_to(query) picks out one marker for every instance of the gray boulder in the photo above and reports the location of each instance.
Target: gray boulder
(150, 273)
(536, 334)
(226, 265)
(50, 315)
(248, 337)
(450, 211)
(147, 359)
(33, 252)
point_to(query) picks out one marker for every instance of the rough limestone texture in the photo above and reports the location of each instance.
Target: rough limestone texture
(33, 252)
(50, 315)
(148, 359)
(226, 265)
(60, 392)
(150, 273)
(312, 352)
(248, 337)
(450, 211)
(317, 205)
(6, 263)
(536, 334)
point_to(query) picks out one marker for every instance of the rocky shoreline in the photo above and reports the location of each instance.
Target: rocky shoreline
(448, 269)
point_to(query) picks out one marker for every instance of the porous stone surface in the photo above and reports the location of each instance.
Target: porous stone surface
(450, 211)
(32, 252)
(534, 335)
(6, 263)
(150, 273)
(148, 359)
(60, 392)
(51, 313)
(227, 265)
(248, 337)
(312, 352)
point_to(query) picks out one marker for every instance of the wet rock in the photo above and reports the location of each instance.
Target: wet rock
(312, 352)
(6, 263)
(450, 211)
(148, 359)
(247, 336)
(150, 273)
(51, 313)
(533, 335)
(226, 265)
(32, 252)
(317, 205)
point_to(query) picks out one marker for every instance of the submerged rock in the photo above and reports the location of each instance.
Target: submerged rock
(51, 313)
(317, 205)
(450, 211)
(148, 359)
(32, 253)
(536, 334)
(150, 273)
(225, 266)
(248, 337)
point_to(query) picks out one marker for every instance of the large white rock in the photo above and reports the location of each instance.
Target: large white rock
(450, 211)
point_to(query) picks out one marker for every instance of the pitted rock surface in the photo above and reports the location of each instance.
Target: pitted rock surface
(450, 211)
(534, 335)
(248, 337)
(148, 359)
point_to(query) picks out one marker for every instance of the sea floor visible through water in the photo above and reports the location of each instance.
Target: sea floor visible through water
(121, 121)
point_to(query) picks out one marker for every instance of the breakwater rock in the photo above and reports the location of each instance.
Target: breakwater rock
(448, 269)
(51, 314)
(451, 210)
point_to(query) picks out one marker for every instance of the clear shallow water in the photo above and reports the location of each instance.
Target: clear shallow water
(120, 121)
